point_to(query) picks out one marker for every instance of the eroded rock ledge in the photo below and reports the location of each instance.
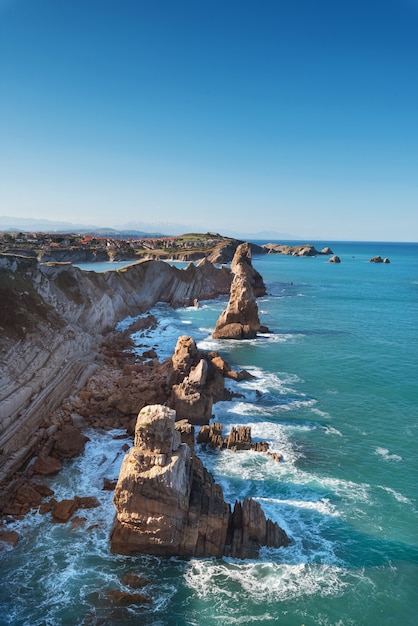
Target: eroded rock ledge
(168, 504)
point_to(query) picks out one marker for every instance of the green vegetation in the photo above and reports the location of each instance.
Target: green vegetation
(64, 247)
(22, 308)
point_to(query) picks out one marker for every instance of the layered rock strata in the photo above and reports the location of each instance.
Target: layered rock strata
(52, 320)
(168, 504)
(240, 319)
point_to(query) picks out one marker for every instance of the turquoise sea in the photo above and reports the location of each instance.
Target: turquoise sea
(336, 392)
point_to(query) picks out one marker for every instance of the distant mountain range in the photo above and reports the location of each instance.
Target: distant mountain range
(130, 229)
(23, 224)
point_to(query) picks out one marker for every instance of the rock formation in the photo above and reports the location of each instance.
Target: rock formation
(52, 320)
(378, 259)
(298, 250)
(240, 319)
(334, 259)
(168, 504)
(239, 438)
(196, 382)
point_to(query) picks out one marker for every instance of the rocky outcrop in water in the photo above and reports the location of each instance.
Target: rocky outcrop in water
(52, 321)
(196, 382)
(378, 259)
(168, 504)
(239, 438)
(297, 250)
(240, 319)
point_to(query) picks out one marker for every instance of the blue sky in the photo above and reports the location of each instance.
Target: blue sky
(298, 117)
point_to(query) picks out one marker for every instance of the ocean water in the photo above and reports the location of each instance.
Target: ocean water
(336, 393)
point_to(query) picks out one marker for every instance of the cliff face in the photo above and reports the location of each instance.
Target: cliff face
(240, 318)
(52, 318)
(168, 504)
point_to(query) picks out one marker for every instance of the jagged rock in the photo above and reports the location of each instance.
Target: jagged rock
(240, 319)
(239, 438)
(70, 442)
(191, 403)
(63, 510)
(9, 537)
(334, 259)
(196, 383)
(211, 435)
(220, 364)
(47, 466)
(168, 504)
(87, 502)
(47, 507)
(186, 355)
(241, 375)
(20, 497)
(326, 250)
(250, 530)
(186, 431)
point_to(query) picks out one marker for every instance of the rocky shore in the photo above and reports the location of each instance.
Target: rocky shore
(112, 386)
(53, 320)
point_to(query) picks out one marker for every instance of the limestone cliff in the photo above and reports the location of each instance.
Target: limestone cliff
(168, 504)
(52, 319)
(240, 319)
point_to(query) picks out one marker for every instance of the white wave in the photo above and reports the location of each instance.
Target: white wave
(330, 430)
(321, 413)
(265, 381)
(263, 340)
(398, 496)
(384, 452)
(266, 583)
(323, 505)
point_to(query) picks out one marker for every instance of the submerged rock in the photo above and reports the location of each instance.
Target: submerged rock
(168, 504)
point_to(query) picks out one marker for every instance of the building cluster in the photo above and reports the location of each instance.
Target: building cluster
(47, 241)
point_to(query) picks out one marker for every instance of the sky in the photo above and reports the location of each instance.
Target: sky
(235, 116)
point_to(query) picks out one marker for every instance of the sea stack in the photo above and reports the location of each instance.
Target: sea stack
(240, 319)
(168, 504)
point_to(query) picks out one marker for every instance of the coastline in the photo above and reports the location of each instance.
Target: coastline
(336, 402)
